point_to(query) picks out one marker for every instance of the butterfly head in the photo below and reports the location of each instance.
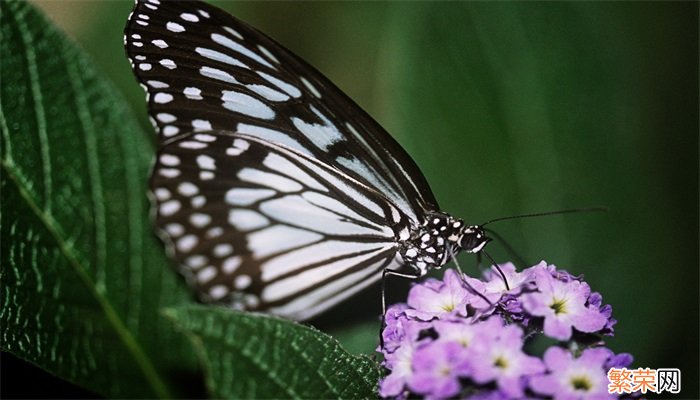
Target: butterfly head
(473, 239)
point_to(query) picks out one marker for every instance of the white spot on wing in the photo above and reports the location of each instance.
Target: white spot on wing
(286, 167)
(268, 93)
(322, 136)
(274, 181)
(163, 98)
(218, 292)
(286, 87)
(222, 250)
(192, 93)
(242, 282)
(220, 57)
(279, 238)
(160, 43)
(191, 144)
(186, 243)
(169, 172)
(174, 27)
(215, 232)
(267, 54)
(226, 42)
(233, 32)
(189, 17)
(162, 194)
(246, 220)
(198, 201)
(217, 74)
(231, 264)
(246, 197)
(168, 63)
(395, 215)
(206, 275)
(311, 87)
(170, 130)
(245, 104)
(241, 144)
(169, 160)
(272, 135)
(200, 220)
(196, 261)
(157, 84)
(174, 229)
(201, 125)
(166, 118)
(203, 137)
(205, 162)
(187, 189)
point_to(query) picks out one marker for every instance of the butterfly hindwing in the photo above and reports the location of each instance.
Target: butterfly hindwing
(264, 227)
(206, 70)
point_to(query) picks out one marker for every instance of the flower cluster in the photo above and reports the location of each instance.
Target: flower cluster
(465, 337)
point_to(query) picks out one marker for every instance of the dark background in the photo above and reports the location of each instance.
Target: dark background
(508, 108)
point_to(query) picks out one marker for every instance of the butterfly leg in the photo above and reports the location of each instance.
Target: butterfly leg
(385, 273)
(462, 277)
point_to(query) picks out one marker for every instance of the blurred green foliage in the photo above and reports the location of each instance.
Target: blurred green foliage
(512, 108)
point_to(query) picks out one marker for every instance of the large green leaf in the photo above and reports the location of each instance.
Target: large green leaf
(254, 356)
(83, 278)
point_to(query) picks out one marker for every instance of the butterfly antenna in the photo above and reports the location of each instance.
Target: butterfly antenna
(495, 265)
(507, 245)
(542, 214)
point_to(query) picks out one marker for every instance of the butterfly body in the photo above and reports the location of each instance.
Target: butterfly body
(273, 190)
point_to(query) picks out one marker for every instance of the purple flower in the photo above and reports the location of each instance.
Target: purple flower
(398, 327)
(464, 337)
(400, 364)
(559, 274)
(460, 331)
(494, 288)
(437, 367)
(401, 338)
(571, 378)
(436, 299)
(596, 300)
(496, 355)
(622, 360)
(563, 306)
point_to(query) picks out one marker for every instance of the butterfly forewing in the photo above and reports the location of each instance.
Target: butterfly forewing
(204, 70)
(263, 227)
(274, 190)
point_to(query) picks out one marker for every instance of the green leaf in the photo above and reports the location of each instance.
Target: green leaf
(254, 356)
(83, 276)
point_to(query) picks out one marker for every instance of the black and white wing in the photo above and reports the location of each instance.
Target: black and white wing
(261, 226)
(206, 70)
(275, 191)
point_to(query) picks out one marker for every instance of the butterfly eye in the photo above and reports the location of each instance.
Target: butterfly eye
(473, 240)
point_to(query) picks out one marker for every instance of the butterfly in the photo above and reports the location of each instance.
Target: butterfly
(272, 189)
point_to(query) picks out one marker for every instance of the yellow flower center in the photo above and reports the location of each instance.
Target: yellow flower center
(500, 362)
(559, 306)
(581, 383)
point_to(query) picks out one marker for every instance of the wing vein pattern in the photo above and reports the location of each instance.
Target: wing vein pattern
(274, 190)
